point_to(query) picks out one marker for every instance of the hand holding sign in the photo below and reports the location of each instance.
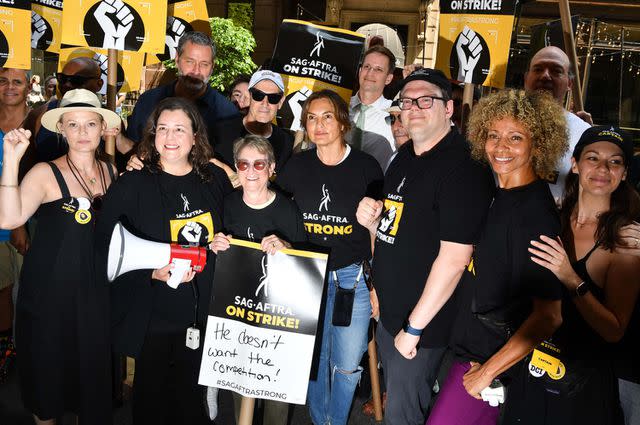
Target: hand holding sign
(38, 27)
(469, 59)
(116, 20)
(175, 30)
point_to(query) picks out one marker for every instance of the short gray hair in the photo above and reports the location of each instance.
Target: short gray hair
(259, 143)
(199, 38)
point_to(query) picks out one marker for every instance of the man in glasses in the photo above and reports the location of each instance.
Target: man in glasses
(266, 96)
(195, 60)
(436, 198)
(78, 73)
(371, 133)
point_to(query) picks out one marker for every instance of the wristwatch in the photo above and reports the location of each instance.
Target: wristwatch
(582, 289)
(411, 331)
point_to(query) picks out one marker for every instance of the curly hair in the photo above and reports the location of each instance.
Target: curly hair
(201, 151)
(537, 111)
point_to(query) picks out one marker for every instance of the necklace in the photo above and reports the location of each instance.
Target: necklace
(78, 176)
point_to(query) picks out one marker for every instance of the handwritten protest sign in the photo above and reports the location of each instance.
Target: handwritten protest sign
(262, 322)
(312, 58)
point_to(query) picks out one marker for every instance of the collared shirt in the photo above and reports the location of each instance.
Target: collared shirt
(212, 106)
(376, 129)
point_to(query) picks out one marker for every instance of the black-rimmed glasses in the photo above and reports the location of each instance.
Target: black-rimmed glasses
(423, 102)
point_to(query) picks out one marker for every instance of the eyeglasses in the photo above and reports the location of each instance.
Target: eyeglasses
(258, 164)
(74, 80)
(423, 102)
(258, 95)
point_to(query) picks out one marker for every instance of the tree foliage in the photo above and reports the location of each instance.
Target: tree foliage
(241, 14)
(234, 47)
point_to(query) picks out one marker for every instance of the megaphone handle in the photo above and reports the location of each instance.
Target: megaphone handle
(181, 266)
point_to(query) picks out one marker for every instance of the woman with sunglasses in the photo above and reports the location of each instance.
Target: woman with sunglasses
(61, 317)
(177, 197)
(327, 183)
(259, 214)
(600, 284)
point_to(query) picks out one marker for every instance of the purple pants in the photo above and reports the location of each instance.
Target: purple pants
(456, 407)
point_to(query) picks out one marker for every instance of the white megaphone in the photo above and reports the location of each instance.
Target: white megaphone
(128, 252)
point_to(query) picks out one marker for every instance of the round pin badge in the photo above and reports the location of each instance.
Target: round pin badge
(83, 216)
(536, 371)
(562, 370)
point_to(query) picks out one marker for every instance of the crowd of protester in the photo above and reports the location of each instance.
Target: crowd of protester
(504, 258)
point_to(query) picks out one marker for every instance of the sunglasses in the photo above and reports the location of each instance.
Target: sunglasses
(74, 80)
(258, 164)
(258, 95)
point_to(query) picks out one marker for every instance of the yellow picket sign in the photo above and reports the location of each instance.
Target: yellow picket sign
(46, 20)
(15, 31)
(133, 25)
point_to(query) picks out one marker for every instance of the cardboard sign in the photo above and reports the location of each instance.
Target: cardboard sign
(474, 40)
(312, 58)
(262, 322)
(129, 70)
(46, 29)
(134, 25)
(15, 32)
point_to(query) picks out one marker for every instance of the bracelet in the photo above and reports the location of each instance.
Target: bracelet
(412, 331)
(8, 185)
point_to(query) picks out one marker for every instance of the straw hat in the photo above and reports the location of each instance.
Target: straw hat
(78, 100)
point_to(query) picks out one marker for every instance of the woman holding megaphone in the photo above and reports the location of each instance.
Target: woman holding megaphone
(62, 332)
(176, 198)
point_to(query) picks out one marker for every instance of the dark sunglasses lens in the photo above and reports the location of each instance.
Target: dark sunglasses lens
(257, 95)
(96, 204)
(274, 98)
(74, 80)
(393, 119)
(259, 165)
(242, 165)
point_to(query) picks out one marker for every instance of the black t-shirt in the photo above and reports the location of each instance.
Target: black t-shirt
(328, 197)
(228, 131)
(502, 273)
(441, 195)
(164, 208)
(281, 218)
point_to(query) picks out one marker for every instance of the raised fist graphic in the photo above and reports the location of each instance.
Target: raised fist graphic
(116, 20)
(295, 103)
(38, 27)
(175, 30)
(388, 219)
(192, 232)
(102, 61)
(468, 60)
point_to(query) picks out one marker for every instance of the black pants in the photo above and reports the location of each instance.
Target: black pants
(165, 387)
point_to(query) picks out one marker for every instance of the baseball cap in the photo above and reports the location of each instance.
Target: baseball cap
(433, 76)
(604, 133)
(265, 74)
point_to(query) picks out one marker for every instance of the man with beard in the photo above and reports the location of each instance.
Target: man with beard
(550, 71)
(195, 58)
